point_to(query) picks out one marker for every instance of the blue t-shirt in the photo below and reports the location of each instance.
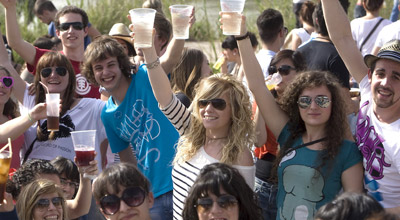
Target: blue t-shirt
(139, 121)
(302, 189)
(52, 32)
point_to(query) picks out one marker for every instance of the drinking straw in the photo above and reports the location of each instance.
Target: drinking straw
(45, 87)
(7, 145)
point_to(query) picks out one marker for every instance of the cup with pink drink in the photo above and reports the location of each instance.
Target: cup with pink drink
(84, 146)
(231, 17)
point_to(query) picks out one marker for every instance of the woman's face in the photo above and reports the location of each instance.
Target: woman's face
(314, 115)
(286, 73)
(205, 68)
(216, 115)
(56, 78)
(230, 55)
(52, 211)
(223, 207)
(5, 92)
(68, 186)
(124, 45)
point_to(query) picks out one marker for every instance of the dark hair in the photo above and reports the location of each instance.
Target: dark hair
(349, 206)
(131, 49)
(163, 28)
(46, 42)
(74, 10)
(306, 12)
(100, 49)
(116, 175)
(295, 56)
(319, 20)
(67, 167)
(27, 173)
(230, 42)
(10, 108)
(269, 23)
(41, 5)
(372, 5)
(219, 175)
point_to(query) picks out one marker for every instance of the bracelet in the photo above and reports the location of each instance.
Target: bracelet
(30, 117)
(242, 37)
(154, 64)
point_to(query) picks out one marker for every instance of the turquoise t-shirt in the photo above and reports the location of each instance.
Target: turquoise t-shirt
(139, 121)
(302, 189)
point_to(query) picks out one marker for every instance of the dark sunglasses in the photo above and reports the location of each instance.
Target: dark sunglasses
(65, 182)
(7, 81)
(283, 70)
(76, 25)
(133, 197)
(219, 104)
(321, 100)
(224, 201)
(44, 204)
(46, 72)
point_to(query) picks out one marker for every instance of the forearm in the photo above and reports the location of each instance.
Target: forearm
(127, 156)
(172, 55)
(81, 204)
(15, 127)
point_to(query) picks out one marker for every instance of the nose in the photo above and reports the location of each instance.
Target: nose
(123, 206)
(51, 206)
(215, 208)
(384, 81)
(313, 104)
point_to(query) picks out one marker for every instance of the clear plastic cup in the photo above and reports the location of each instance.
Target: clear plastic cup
(180, 15)
(5, 161)
(143, 23)
(231, 18)
(272, 80)
(84, 146)
(53, 111)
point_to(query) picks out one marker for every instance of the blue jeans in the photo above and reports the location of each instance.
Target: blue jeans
(266, 193)
(395, 11)
(162, 208)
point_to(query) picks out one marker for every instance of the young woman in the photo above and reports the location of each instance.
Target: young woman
(221, 192)
(219, 129)
(69, 176)
(303, 34)
(315, 160)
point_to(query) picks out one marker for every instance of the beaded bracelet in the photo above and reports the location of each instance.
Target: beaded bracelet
(154, 64)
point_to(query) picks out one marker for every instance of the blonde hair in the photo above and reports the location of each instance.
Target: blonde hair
(241, 133)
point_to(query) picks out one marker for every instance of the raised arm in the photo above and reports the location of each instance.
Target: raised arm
(19, 84)
(340, 33)
(93, 32)
(26, 50)
(273, 115)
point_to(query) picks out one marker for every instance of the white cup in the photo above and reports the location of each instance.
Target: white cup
(180, 15)
(231, 18)
(143, 23)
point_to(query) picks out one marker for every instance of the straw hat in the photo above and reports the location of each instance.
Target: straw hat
(390, 50)
(120, 31)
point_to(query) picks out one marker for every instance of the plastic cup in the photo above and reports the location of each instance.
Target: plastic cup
(53, 111)
(273, 80)
(84, 142)
(232, 18)
(232, 5)
(5, 161)
(143, 22)
(354, 92)
(180, 15)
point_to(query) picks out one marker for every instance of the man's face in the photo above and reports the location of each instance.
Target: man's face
(385, 83)
(70, 35)
(45, 17)
(109, 75)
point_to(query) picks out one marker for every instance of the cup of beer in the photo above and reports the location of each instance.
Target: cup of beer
(180, 15)
(231, 18)
(53, 111)
(272, 80)
(84, 146)
(5, 161)
(143, 22)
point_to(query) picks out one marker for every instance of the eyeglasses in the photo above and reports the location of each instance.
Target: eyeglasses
(64, 182)
(46, 72)
(76, 25)
(224, 201)
(219, 104)
(7, 81)
(43, 204)
(284, 70)
(321, 100)
(133, 197)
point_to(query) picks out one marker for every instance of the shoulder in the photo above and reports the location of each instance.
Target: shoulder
(245, 158)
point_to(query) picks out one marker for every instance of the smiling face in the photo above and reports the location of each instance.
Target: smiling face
(5, 92)
(72, 38)
(52, 212)
(286, 79)
(55, 82)
(230, 212)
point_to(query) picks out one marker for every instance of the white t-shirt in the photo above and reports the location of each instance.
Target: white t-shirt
(264, 58)
(388, 33)
(302, 33)
(84, 116)
(380, 147)
(360, 28)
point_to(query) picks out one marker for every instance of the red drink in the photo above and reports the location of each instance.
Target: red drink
(84, 157)
(52, 123)
(4, 168)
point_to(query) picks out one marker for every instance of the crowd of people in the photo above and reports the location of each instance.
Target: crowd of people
(175, 140)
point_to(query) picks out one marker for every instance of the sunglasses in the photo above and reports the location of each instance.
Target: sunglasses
(7, 81)
(321, 100)
(133, 197)
(283, 70)
(219, 104)
(46, 72)
(44, 204)
(65, 182)
(224, 201)
(76, 25)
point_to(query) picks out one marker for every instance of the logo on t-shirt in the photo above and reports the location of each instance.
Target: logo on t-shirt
(82, 85)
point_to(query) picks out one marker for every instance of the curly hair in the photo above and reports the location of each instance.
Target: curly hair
(10, 107)
(218, 175)
(241, 134)
(30, 195)
(336, 125)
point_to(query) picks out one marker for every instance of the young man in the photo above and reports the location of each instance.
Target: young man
(71, 27)
(378, 122)
(46, 12)
(272, 33)
(123, 192)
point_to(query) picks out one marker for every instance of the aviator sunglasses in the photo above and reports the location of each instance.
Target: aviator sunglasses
(46, 72)
(133, 197)
(321, 100)
(283, 70)
(219, 104)
(44, 204)
(223, 201)
(7, 81)
(76, 25)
